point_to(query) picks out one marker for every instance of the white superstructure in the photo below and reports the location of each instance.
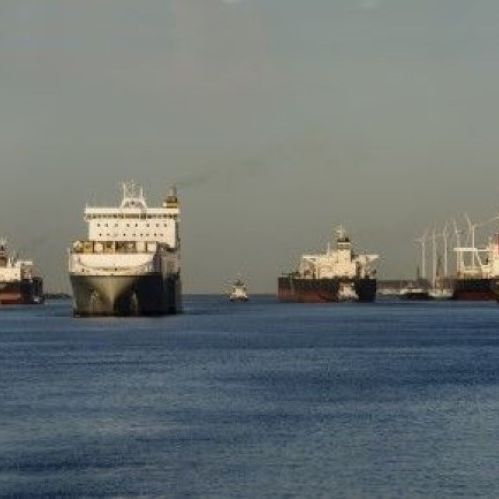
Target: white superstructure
(11, 268)
(479, 262)
(124, 239)
(239, 291)
(338, 262)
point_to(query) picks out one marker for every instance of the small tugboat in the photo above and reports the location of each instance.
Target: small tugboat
(239, 292)
(414, 292)
(441, 293)
(346, 292)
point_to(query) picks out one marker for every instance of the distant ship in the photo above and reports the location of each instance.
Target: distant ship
(334, 276)
(415, 292)
(239, 291)
(130, 262)
(478, 277)
(19, 281)
(419, 289)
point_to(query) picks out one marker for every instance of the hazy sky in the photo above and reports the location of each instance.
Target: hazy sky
(278, 119)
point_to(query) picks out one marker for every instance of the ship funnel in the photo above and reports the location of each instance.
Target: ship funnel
(172, 198)
(172, 192)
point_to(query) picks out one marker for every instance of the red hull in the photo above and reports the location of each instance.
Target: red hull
(11, 299)
(25, 292)
(291, 289)
(310, 297)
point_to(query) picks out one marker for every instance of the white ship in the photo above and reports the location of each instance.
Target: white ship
(130, 262)
(239, 291)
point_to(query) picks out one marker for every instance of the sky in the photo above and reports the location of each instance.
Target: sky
(277, 119)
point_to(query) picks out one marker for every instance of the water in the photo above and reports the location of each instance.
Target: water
(252, 400)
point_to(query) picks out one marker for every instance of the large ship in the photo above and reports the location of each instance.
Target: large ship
(19, 281)
(477, 275)
(334, 276)
(130, 262)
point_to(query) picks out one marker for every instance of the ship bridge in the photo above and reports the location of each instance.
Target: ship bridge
(134, 220)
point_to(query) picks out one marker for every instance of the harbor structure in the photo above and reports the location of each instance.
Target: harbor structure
(476, 267)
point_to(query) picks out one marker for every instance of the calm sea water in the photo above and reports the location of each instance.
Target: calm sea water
(252, 400)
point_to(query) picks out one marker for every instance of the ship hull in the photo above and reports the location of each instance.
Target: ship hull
(238, 299)
(24, 292)
(297, 290)
(474, 289)
(125, 295)
(416, 296)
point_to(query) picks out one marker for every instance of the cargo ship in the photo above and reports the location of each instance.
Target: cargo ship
(20, 283)
(130, 262)
(478, 274)
(338, 275)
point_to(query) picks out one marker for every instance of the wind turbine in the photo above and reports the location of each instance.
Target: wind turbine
(422, 240)
(445, 237)
(434, 257)
(459, 254)
(471, 233)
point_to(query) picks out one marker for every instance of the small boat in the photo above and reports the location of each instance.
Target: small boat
(414, 292)
(440, 293)
(239, 292)
(346, 292)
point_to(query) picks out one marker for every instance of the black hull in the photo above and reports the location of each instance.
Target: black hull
(297, 290)
(474, 289)
(416, 296)
(24, 292)
(150, 294)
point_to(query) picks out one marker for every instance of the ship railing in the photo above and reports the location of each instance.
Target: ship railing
(114, 247)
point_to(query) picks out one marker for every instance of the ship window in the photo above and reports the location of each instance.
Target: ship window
(98, 225)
